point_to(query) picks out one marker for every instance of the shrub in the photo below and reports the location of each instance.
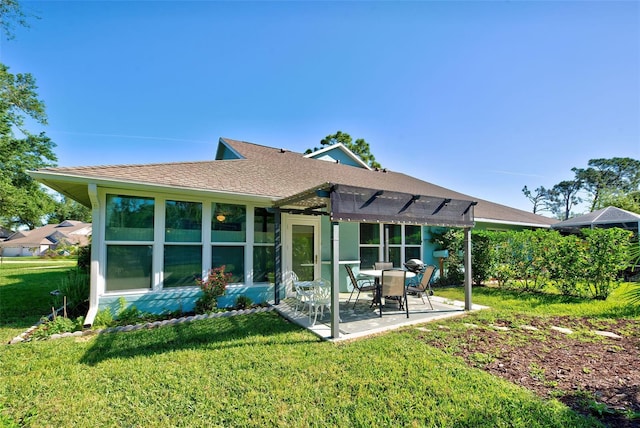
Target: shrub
(57, 325)
(84, 259)
(243, 302)
(75, 287)
(212, 287)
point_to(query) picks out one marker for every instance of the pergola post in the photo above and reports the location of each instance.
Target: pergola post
(467, 269)
(335, 280)
(277, 263)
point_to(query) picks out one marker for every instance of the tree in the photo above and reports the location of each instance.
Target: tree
(68, 209)
(615, 176)
(11, 13)
(22, 200)
(564, 196)
(360, 147)
(540, 199)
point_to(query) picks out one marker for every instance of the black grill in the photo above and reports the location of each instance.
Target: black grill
(414, 265)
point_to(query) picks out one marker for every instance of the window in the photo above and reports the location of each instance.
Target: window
(129, 218)
(129, 239)
(232, 258)
(405, 242)
(263, 247)
(228, 223)
(183, 243)
(229, 228)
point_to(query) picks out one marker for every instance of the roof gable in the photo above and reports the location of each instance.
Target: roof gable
(338, 153)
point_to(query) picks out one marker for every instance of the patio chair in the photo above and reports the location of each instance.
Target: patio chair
(393, 287)
(424, 287)
(382, 265)
(320, 299)
(360, 284)
(304, 292)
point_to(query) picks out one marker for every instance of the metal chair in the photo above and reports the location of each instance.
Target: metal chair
(360, 284)
(393, 286)
(320, 299)
(424, 287)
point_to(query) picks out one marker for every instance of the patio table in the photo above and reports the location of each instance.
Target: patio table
(376, 274)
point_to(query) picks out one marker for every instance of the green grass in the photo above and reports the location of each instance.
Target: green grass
(25, 284)
(250, 370)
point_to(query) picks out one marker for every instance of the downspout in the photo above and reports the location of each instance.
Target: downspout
(96, 242)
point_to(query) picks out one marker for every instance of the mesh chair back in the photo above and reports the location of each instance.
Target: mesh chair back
(382, 265)
(393, 283)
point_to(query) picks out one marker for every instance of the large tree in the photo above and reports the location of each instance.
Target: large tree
(22, 200)
(609, 177)
(360, 147)
(614, 181)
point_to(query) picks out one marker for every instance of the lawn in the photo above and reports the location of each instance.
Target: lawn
(254, 370)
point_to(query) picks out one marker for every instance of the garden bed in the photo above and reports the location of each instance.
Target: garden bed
(593, 373)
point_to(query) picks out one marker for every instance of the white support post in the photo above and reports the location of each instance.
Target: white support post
(335, 280)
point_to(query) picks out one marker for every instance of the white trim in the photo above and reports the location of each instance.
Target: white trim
(512, 223)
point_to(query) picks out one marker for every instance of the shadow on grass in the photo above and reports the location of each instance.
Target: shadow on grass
(229, 332)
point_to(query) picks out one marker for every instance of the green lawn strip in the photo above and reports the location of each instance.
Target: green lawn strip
(616, 306)
(25, 292)
(258, 370)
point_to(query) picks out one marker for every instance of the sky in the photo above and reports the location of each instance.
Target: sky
(482, 97)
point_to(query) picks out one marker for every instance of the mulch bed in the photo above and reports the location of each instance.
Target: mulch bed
(592, 374)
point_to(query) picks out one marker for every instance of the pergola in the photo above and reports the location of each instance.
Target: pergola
(344, 203)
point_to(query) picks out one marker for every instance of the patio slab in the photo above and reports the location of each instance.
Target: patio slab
(366, 321)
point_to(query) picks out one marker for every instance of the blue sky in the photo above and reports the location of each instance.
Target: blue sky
(480, 97)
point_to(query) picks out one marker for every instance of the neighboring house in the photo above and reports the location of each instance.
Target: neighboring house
(263, 213)
(38, 241)
(605, 218)
(4, 233)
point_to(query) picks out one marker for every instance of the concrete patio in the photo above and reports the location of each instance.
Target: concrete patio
(366, 321)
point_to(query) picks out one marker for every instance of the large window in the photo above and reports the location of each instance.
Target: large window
(129, 218)
(263, 247)
(183, 243)
(229, 236)
(129, 239)
(404, 243)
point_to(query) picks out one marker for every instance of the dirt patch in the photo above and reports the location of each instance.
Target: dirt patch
(591, 373)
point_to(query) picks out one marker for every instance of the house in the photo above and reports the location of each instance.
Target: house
(263, 213)
(38, 241)
(605, 218)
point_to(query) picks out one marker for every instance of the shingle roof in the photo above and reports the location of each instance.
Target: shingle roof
(74, 232)
(276, 173)
(608, 215)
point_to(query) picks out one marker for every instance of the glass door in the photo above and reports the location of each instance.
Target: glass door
(303, 258)
(302, 249)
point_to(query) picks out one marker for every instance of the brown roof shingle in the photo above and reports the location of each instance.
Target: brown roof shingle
(277, 173)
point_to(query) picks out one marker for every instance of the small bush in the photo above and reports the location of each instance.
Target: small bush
(213, 286)
(243, 302)
(57, 325)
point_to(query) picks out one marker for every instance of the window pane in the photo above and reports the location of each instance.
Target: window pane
(263, 259)
(230, 257)
(369, 233)
(129, 218)
(228, 223)
(182, 265)
(183, 222)
(412, 253)
(264, 226)
(128, 267)
(412, 235)
(394, 257)
(395, 233)
(368, 256)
